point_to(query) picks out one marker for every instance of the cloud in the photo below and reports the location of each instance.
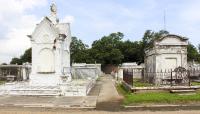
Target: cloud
(68, 19)
(93, 19)
(15, 25)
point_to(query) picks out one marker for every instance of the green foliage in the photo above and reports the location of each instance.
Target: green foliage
(2, 82)
(79, 51)
(140, 83)
(121, 90)
(193, 54)
(4, 64)
(150, 36)
(107, 51)
(195, 83)
(131, 51)
(16, 61)
(26, 57)
(112, 49)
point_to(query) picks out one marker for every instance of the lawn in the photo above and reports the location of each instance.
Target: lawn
(156, 97)
(195, 83)
(139, 83)
(2, 82)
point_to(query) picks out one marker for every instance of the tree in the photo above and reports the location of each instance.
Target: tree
(150, 36)
(106, 50)
(78, 51)
(199, 48)
(16, 61)
(131, 51)
(193, 54)
(26, 57)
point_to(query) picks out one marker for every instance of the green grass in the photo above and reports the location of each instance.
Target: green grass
(156, 97)
(2, 82)
(139, 83)
(195, 83)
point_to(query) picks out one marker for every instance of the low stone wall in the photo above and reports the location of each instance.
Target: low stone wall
(78, 88)
(73, 88)
(157, 89)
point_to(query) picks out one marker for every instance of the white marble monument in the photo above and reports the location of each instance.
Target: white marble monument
(51, 72)
(50, 51)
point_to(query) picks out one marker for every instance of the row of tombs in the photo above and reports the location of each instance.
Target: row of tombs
(132, 73)
(165, 63)
(20, 82)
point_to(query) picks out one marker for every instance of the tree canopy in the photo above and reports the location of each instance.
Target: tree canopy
(193, 54)
(78, 51)
(26, 57)
(113, 49)
(107, 51)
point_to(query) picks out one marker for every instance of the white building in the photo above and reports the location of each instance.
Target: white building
(136, 69)
(168, 53)
(50, 50)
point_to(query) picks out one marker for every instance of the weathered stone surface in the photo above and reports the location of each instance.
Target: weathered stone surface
(168, 53)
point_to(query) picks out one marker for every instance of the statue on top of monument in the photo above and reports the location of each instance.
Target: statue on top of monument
(53, 8)
(53, 16)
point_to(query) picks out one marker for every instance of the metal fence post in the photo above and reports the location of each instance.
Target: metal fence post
(189, 78)
(171, 79)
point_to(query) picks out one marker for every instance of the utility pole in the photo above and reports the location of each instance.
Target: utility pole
(164, 20)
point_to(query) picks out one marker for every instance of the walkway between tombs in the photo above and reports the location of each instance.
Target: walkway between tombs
(108, 98)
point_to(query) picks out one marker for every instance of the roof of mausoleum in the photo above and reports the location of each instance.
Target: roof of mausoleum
(173, 36)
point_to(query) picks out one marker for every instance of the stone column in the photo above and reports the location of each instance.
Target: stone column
(58, 57)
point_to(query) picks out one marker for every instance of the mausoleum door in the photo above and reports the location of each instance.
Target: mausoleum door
(46, 61)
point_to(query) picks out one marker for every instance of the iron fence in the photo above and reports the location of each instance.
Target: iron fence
(128, 76)
(177, 77)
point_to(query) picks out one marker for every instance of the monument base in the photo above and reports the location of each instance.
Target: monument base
(73, 88)
(44, 80)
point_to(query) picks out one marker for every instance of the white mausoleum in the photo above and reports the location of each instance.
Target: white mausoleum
(51, 72)
(50, 51)
(168, 53)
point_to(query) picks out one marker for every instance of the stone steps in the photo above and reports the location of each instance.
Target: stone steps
(36, 90)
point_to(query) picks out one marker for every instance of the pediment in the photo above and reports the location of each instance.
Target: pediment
(45, 32)
(172, 40)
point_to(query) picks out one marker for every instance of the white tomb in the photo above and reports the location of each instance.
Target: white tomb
(50, 51)
(137, 70)
(51, 72)
(168, 53)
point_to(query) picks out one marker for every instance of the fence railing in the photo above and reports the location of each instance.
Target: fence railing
(128, 76)
(177, 77)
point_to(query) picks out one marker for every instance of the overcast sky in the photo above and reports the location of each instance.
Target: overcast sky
(92, 19)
